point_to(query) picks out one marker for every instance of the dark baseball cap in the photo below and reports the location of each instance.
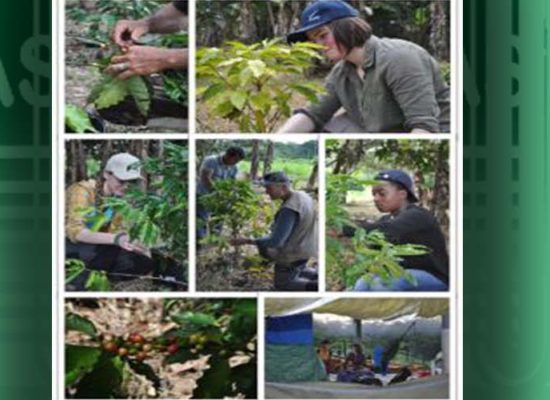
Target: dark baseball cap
(320, 13)
(401, 178)
(275, 177)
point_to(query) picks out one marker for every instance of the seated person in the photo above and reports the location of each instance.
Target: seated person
(325, 356)
(110, 248)
(356, 357)
(407, 223)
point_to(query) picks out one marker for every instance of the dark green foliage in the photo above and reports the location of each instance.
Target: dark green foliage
(97, 280)
(74, 322)
(103, 381)
(79, 360)
(159, 217)
(233, 203)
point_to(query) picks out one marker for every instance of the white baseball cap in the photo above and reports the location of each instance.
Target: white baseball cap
(124, 166)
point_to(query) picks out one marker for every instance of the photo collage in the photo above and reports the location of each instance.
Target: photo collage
(257, 199)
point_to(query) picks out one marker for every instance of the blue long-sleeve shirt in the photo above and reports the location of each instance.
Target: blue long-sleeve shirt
(285, 222)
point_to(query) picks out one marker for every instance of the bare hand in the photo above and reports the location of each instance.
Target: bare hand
(139, 60)
(127, 32)
(124, 242)
(138, 247)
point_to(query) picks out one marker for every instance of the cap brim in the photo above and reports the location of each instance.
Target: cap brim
(128, 176)
(300, 34)
(411, 197)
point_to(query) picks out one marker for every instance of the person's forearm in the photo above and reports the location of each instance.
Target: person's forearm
(167, 20)
(419, 130)
(87, 236)
(298, 123)
(176, 58)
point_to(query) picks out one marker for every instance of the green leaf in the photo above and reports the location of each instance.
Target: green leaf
(257, 67)
(238, 99)
(73, 268)
(215, 383)
(144, 369)
(225, 108)
(137, 88)
(213, 90)
(306, 91)
(197, 319)
(245, 378)
(98, 282)
(78, 120)
(79, 360)
(181, 356)
(104, 381)
(111, 93)
(74, 322)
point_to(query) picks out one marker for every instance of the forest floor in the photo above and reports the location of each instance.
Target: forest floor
(82, 75)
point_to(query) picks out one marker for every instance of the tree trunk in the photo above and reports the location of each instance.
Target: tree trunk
(254, 160)
(76, 160)
(312, 181)
(248, 25)
(440, 197)
(106, 152)
(438, 31)
(268, 159)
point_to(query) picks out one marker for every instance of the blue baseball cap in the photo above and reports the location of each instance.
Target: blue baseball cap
(320, 13)
(274, 178)
(401, 178)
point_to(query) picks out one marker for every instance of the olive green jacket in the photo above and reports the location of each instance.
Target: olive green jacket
(402, 89)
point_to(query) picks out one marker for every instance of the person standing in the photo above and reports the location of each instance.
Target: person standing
(214, 168)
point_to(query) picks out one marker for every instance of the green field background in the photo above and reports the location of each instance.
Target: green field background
(25, 191)
(506, 200)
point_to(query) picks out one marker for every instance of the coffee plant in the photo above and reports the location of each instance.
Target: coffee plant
(159, 217)
(97, 281)
(368, 254)
(235, 205)
(252, 85)
(221, 329)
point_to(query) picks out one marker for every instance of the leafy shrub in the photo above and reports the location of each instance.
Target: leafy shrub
(159, 217)
(252, 85)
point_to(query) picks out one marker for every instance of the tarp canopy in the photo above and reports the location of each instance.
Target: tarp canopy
(358, 308)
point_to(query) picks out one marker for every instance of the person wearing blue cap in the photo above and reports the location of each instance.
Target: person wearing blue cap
(293, 238)
(405, 222)
(383, 85)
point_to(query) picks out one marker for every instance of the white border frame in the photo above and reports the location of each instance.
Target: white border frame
(59, 139)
